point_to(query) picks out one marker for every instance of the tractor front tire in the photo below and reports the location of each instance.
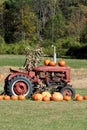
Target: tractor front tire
(19, 85)
(69, 91)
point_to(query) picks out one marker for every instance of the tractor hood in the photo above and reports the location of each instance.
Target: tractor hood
(51, 68)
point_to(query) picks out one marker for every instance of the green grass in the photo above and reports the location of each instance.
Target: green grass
(18, 60)
(33, 115)
(76, 63)
(12, 60)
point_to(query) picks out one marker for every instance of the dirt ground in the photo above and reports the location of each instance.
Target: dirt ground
(78, 76)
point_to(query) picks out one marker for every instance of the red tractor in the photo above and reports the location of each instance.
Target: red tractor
(39, 79)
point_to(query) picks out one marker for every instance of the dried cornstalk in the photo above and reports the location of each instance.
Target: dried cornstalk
(33, 57)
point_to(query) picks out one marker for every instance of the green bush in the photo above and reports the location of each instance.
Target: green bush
(18, 48)
(78, 52)
(62, 46)
(2, 40)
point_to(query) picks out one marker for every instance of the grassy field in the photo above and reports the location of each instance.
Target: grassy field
(32, 115)
(12, 60)
(18, 60)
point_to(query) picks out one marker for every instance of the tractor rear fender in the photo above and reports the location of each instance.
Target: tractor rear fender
(30, 75)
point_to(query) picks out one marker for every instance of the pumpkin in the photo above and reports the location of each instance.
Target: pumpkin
(79, 98)
(52, 63)
(14, 97)
(61, 63)
(67, 98)
(1, 97)
(46, 93)
(76, 95)
(85, 97)
(6, 97)
(21, 97)
(46, 98)
(37, 97)
(46, 62)
(33, 96)
(57, 96)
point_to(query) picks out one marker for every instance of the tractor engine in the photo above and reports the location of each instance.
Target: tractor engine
(52, 78)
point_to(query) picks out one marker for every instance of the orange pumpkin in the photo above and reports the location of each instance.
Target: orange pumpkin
(57, 96)
(85, 97)
(52, 63)
(33, 96)
(46, 98)
(67, 98)
(14, 97)
(76, 95)
(37, 97)
(79, 98)
(21, 97)
(61, 63)
(46, 93)
(1, 97)
(6, 97)
(46, 62)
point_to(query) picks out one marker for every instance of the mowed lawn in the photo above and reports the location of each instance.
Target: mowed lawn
(35, 115)
(12, 60)
(19, 60)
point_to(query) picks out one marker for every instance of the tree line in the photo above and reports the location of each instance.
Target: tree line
(62, 23)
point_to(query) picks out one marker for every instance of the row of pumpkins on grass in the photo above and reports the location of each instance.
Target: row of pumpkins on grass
(45, 96)
(56, 96)
(49, 62)
(13, 97)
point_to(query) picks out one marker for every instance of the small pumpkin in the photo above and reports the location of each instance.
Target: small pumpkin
(85, 97)
(37, 97)
(33, 96)
(76, 95)
(14, 97)
(79, 98)
(46, 93)
(61, 63)
(46, 62)
(57, 96)
(67, 98)
(21, 97)
(6, 97)
(52, 63)
(1, 97)
(46, 98)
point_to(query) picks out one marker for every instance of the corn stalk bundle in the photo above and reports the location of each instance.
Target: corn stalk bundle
(33, 57)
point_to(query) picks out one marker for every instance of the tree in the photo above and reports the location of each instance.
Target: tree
(83, 37)
(29, 22)
(50, 18)
(1, 21)
(19, 21)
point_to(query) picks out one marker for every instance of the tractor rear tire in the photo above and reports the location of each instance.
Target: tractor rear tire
(67, 90)
(19, 85)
